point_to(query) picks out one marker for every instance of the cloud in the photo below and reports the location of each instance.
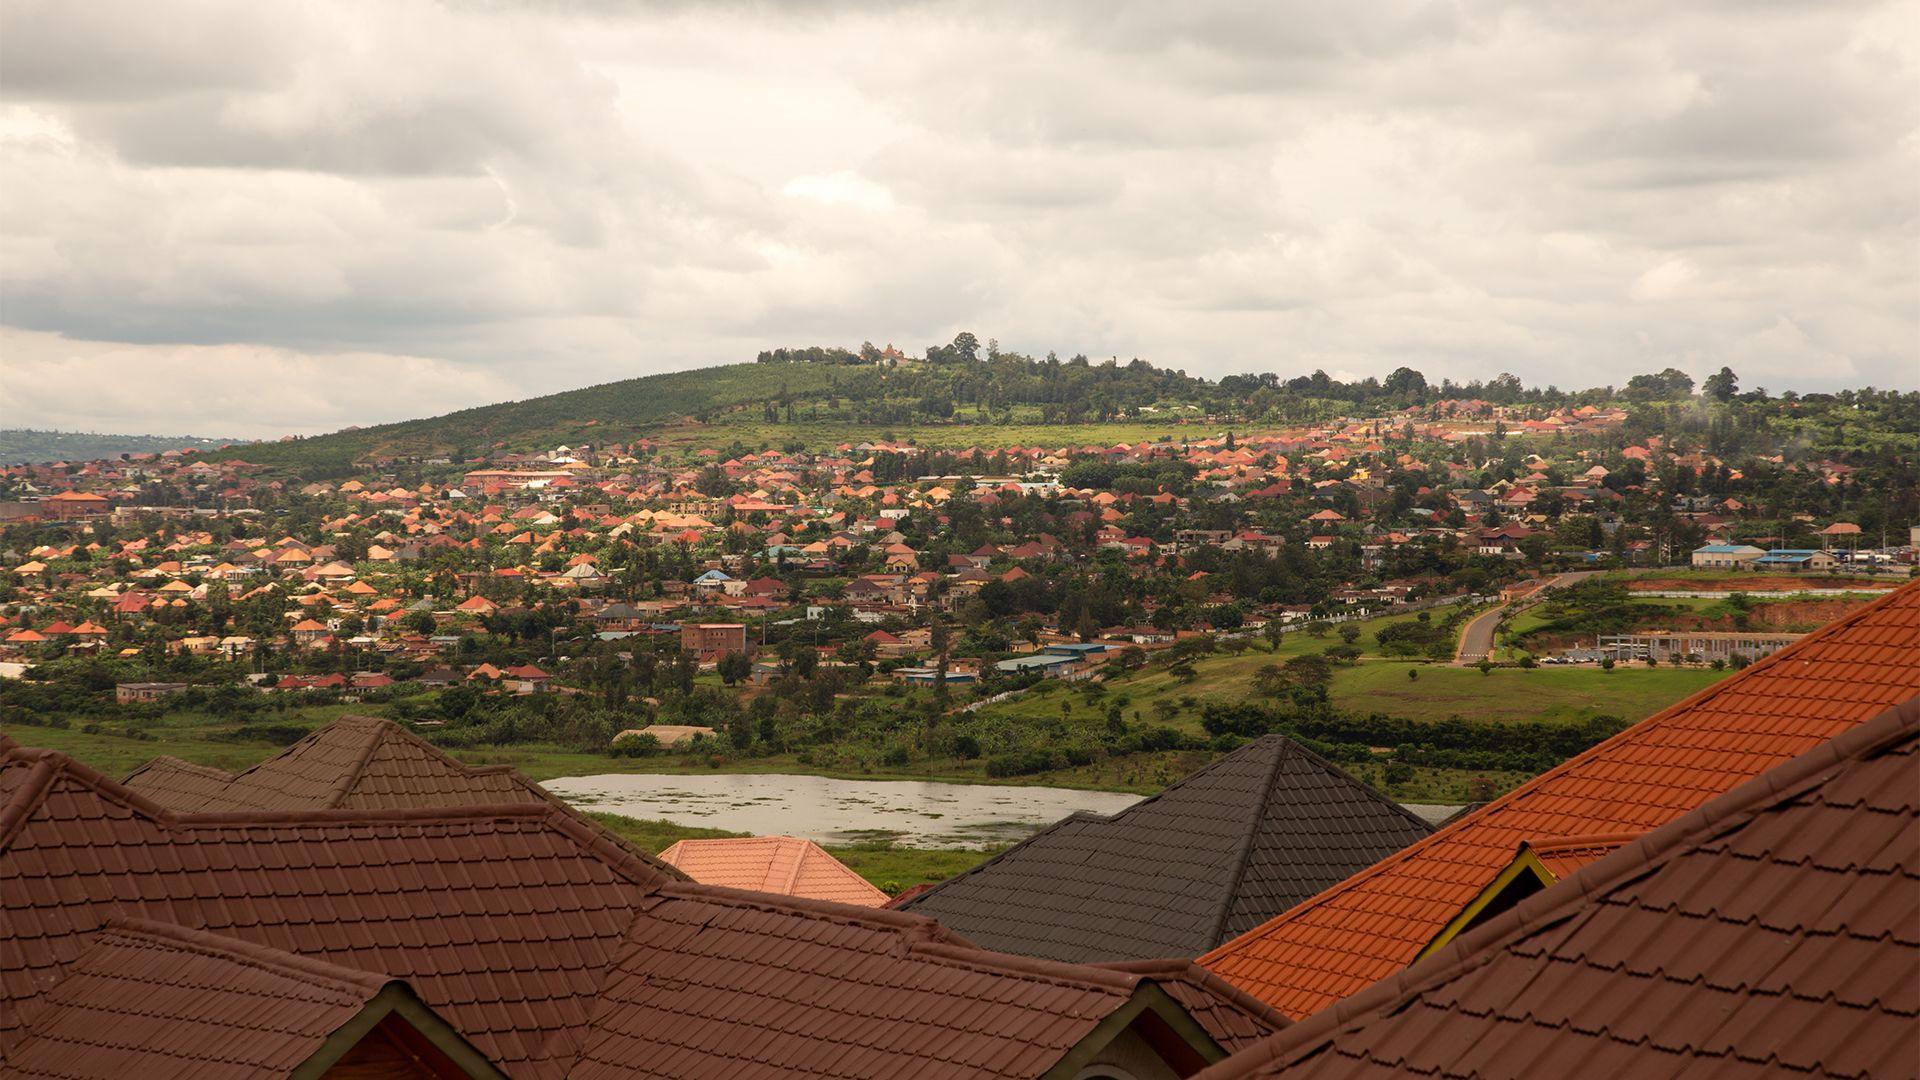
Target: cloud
(243, 391)
(521, 197)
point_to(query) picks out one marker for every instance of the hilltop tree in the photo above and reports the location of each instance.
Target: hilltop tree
(1721, 385)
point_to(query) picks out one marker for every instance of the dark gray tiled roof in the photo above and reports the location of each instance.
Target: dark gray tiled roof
(1212, 856)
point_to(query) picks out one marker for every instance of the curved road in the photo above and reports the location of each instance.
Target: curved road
(1476, 638)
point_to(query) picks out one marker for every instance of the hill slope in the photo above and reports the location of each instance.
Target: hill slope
(28, 445)
(609, 412)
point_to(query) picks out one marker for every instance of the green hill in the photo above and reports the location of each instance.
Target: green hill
(27, 445)
(995, 401)
(611, 412)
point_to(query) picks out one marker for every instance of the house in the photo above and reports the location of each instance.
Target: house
(1797, 561)
(129, 692)
(786, 865)
(711, 641)
(1751, 935)
(550, 946)
(1725, 556)
(1377, 922)
(1207, 859)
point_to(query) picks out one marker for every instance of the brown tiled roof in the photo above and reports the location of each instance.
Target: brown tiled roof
(1212, 856)
(787, 865)
(353, 763)
(150, 999)
(555, 950)
(1376, 922)
(1774, 930)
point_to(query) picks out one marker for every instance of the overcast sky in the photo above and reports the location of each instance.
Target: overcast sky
(252, 218)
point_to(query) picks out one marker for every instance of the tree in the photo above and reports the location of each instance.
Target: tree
(1721, 385)
(1349, 633)
(1309, 670)
(734, 667)
(966, 347)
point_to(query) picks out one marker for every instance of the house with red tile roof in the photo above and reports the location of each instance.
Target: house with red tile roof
(786, 865)
(556, 952)
(1380, 920)
(1769, 931)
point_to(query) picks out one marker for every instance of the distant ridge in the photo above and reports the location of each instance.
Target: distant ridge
(31, 446)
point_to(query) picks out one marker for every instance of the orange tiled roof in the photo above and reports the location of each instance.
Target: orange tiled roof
(1376, 922)
(786, 865)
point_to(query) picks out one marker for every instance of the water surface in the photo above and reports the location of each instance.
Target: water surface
(915, 813)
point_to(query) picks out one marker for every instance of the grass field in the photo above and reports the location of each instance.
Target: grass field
(748, 429)
(1546, 693)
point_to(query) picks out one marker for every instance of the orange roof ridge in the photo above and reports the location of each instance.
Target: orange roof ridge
(1359, 931)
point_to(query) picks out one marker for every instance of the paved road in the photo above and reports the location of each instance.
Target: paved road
(1476, 639)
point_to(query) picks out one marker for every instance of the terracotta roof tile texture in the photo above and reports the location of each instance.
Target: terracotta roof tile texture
(1376, 922)
(146, 999)
(786, 865)
(1213, 855)
(1774, 931)
(553, 949)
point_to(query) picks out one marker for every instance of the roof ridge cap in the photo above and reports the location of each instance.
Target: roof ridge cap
(1245, 845)
(40, 776)
(252, 953)
(171, 761)
(1475, 948)
(61, 763)
(349, 778)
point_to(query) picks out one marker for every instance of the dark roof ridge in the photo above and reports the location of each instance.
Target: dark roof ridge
(1476, 948)
(1090, 816)
(251, 953)
(1607, 746)
(1245, 846)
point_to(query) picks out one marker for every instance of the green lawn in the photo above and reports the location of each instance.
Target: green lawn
(1545, 693)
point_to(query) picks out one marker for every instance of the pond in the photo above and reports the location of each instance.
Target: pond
(913, 813)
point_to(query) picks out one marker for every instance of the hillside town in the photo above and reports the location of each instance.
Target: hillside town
(473, 571)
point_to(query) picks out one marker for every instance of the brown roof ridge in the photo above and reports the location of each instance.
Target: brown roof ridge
(168, 761)
(1605, 746)
(968, 955)
(377, 730)
(255, 955)
(880, 918)
(1181, 968)
(1477, 947)
(49, 764)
